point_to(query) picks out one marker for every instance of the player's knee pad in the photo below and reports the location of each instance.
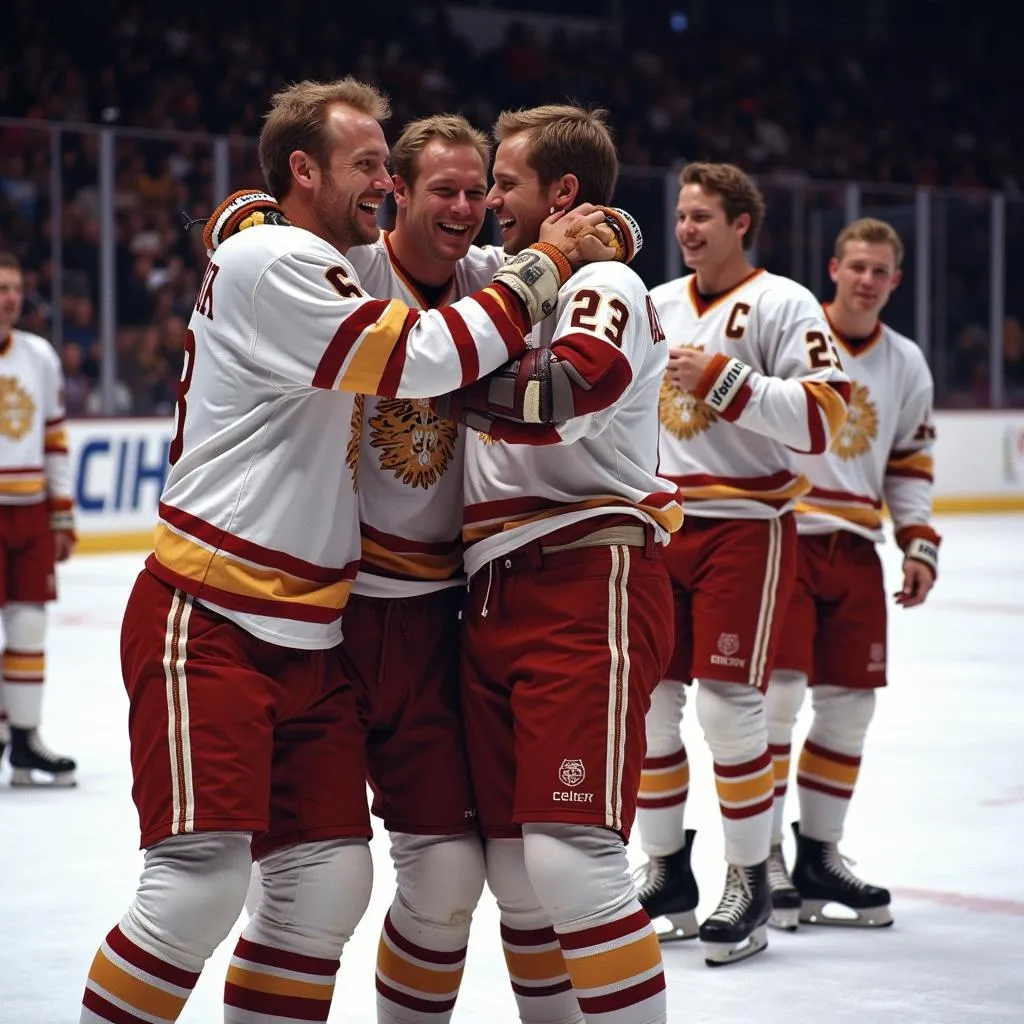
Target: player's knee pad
(782, 703)
(440, 878)
(24, 626)
(314, 895)
(664, 718)
(578, 871)
(507, 878)
(841, 718)
(189, 896)
(732, 717)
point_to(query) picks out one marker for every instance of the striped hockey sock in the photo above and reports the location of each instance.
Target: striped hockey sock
(265, 983)
(416, 983)
(616, 968)
(780, 753)
(130, 985)
(661, 803)
(537, 971)
(825, 780)
(745, 796)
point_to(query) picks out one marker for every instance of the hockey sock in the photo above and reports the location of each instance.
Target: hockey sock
(536, 968)
(422, 950)
(284, 964)
(581, 876)
(665, 780)
(732, 717)
(830, 760)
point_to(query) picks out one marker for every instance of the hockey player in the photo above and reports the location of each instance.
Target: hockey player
(567, 623)
(835, 626)
(246, 738)
(401, 645)
(37, 529)
(753, 375)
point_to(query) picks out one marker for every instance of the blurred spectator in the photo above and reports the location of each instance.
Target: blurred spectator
(77, 385)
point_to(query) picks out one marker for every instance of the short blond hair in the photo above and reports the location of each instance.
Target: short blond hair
(734, 187)
(566, 139)
(453, 128)
(297, 121)
(872, 231)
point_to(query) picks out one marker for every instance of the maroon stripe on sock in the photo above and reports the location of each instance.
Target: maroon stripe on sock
(668, 761)
(652, 803)
(273, 1005)
(270, 956)
(540, 991)
(831, 755)
(611, 1002)
(738, 813)
(635, 922)
(144, 961)
(108, 1011)
(412, 1002)
(780, 749)
(430, 956)
(527, 936)
(820, 787)
(734, 771)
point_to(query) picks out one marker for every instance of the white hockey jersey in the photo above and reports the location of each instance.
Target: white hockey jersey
(34, 462)
(410, 461)
(883, 451)
(794, 398)
(607, 460)
(259, 517)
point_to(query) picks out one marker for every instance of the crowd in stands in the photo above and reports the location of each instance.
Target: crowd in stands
(779, 107)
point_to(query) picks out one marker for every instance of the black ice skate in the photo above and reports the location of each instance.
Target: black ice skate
(822, 879)
(30, 755)
(666, 888)
(785, 897)
(737, 929)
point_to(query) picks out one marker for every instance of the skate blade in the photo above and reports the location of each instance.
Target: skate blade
(684, 926)
(824, 912)
(785, 920)
(719, 954)
(25, 777)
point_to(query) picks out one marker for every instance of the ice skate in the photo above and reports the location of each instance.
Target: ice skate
(738, 927)
(785, 897)
(832, 894)
(666, 887)
(31, 758)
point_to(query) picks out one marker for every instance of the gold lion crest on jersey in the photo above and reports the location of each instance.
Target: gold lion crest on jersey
(16, 409)
(861, 426)
(415, 445)
(681, 413)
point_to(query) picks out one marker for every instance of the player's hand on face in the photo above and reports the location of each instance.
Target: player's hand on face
(686, 366)
(917, 583)
(582, 234)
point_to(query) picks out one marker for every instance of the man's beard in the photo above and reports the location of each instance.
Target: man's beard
(344, 225)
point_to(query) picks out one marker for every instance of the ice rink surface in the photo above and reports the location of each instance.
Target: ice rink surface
(938, 816)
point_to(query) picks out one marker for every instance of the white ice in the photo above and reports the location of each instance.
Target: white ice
(938, 816)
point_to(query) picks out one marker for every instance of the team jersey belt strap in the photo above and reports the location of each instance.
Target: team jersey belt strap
(610, 536)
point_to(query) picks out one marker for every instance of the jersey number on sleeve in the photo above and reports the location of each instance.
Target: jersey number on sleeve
(586, 311)
(180, 406)
(342, 284)
(821, 351)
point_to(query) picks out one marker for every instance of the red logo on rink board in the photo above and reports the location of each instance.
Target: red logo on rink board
(572, 772)
(729, 643)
